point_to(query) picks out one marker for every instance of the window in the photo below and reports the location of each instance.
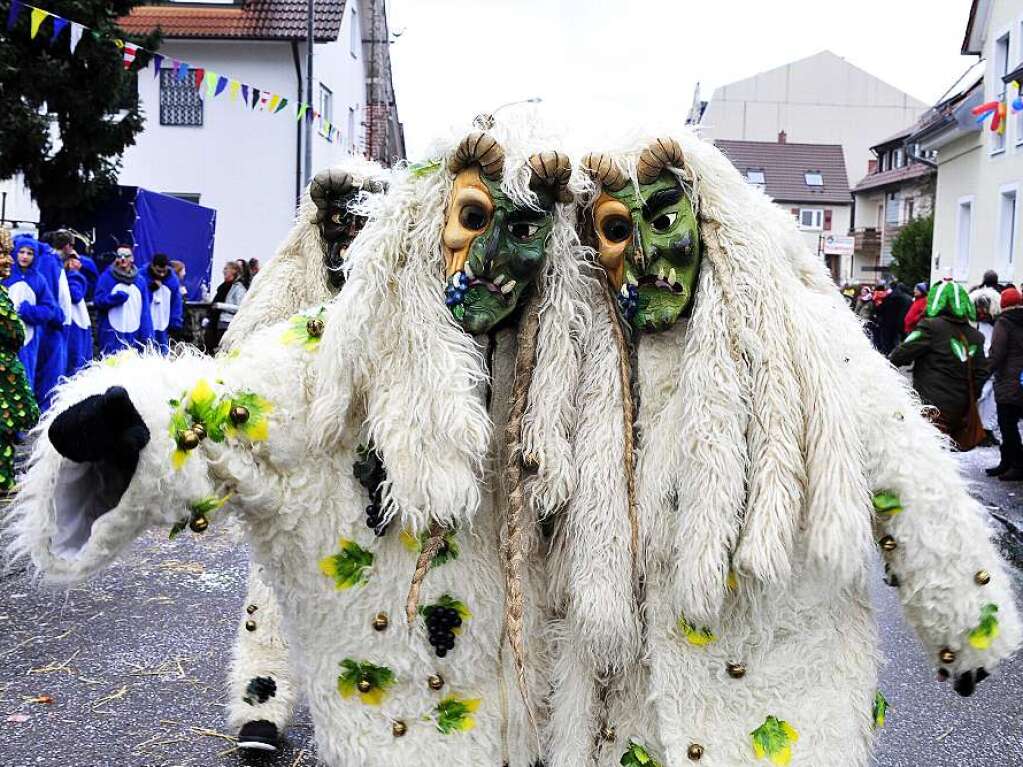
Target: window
(180, 102)
(964, 236)
(811, 218)
(355, 39)
(893, 209)
(326, 107)
(900, 159)
(1001, 68)
(1007, 227)
(351, 130)
(756, 177)
(814, 178)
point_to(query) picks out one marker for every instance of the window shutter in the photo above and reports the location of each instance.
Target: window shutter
(795, 212)
(827, 219)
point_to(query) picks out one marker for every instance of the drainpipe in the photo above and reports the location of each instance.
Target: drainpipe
(309, 89)
(298, 125)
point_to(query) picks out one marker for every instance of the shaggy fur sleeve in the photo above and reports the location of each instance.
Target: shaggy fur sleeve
(934, 537)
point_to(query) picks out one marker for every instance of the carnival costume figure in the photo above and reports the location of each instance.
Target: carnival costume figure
(51, 363)
(122, 301)
(740, 545)
(385, 399)
(35, 304)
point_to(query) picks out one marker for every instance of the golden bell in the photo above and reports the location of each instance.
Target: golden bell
(435, 681)
(314, 328)
(200, 431)
(736, 670)
(250, 625)
(239, 414)
(695, 752)
(982, 578)
(398, 729)
(888, 543)
(947, 656)
(607, 732)
(365, 685)
(188, 439)
(251, 609)
(198, 524)
(381, 622)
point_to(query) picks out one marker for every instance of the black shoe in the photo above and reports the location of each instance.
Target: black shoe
(258, 736)
(1015, 474)
(996, 471)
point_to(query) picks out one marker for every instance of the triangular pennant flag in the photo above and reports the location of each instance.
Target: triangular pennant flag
(76, 35)
(300, 111)
(262, 100)
(221, 84)
(284, 103)
(325, 127)
(117, 41)
(13, 12)
(130, 49)
(255, 97)
(182, 69)
(157, 64)
(211, 82)
(38, 17)
(245, 94)
(200, 73)
(274, 99)
(232, 90)
(59, 25)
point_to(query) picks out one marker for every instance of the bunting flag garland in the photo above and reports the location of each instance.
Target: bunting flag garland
(250, 96)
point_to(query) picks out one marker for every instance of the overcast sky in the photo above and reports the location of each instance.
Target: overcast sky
(599, 65)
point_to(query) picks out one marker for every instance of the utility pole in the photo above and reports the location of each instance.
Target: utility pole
(310, 10)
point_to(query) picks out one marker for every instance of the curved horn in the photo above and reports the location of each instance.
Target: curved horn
(660, 154)
(552, 170)
(604, 171)
(328, 183)
(478, 148)
(6, 240)
(374, 186)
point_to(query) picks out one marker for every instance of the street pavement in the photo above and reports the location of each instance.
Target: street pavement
(128, 669)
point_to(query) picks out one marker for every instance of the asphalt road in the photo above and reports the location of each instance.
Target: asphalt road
(128, 669)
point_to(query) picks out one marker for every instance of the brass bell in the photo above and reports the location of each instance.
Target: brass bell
(947, 656)
(314, 328)
(435, 681)
(239, 415)
(365, 685)
(398, 729)
(608, 733)
(251, 609)
(982, 578)
(188, 439)
(200, 430)
(695, 752)
(888, 543)
(250, 625)
(198, 524)
(381, 622)
(736, 670)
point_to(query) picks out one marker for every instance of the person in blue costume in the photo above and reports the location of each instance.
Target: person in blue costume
(166, 307)
(81, 274)
(32, 298)
(51, 363)
(122, 299)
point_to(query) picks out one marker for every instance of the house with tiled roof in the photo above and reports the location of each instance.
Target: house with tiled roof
(809, 181)
(231, 151)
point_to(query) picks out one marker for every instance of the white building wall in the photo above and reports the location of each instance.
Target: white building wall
(822, 99)
(18, 205)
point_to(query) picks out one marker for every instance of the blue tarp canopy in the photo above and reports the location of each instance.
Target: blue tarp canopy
(157, 223)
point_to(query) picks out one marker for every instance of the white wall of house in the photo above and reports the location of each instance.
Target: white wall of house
(822, 99)
(18, 204)
(841, 220)
(980, 175)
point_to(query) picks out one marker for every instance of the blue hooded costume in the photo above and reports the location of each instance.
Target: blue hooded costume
(123, 304)
(51, 363)
(79, 332)
(35, 304)
(166, 308)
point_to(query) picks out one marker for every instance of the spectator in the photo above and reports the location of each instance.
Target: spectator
(122, 298)
(891, 317)
(917, 309)
(64, 244)
(987, 303)
(1006, 366)
(989, 280)
(32, 298)
(246, 275)
(865, 309)
(79, 331)
(180, 271)
(225, 303)
(949, 365)
(166, 308)
(253, 267)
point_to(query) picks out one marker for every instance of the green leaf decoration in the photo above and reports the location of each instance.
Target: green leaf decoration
(178, 528)
(256, 427)
(773, 740)
(350, 567)
(420, 169)
(209, 504)
(916, 335)
(297, 331)
(454, 714)
(698, 637)
(950, 298)
(448, 551)
(887, 504)
(446, 600)
(958, 349)
(881, 707)
(987, 631)
(637, 756)
(380, 679)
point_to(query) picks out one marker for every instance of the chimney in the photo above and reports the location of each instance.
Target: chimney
(871, 167)
(783, 137)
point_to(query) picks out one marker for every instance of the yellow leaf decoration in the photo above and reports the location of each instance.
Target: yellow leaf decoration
(305, 329)
(881, 707)
(987, 631)
(454, 714)
(350, 567)
(368, 681)
(887, 504)
(773, 740)
(697, 637)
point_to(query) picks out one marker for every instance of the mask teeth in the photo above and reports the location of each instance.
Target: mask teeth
(672, 278)
(508, 287)
(660, 273)
(468, 271)
(499, 279)
(625, 291)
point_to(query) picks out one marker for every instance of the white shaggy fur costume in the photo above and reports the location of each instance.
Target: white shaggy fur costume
(391, 367)
(758, 453)
(295, 278)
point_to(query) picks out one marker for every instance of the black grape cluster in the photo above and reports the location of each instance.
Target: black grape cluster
(370, 472)
(441, 623)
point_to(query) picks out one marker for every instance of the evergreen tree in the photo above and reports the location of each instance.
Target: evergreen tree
(911, 251)
(65, 119)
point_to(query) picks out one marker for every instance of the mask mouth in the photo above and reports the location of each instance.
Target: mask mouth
(667, 282)
(503, 288)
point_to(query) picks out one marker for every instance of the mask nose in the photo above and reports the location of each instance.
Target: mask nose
(494, 245)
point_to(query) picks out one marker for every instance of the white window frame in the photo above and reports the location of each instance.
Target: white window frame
(961, 265)
(817, 219)
(352, 145)
(998, 89)
(1011, 91)
(1007, 256)
(326, 104)
(354, 38)
(818, 174)
(763, 177)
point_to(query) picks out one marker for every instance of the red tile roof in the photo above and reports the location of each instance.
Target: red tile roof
(250, 20)
(785, 167)
(894, 176)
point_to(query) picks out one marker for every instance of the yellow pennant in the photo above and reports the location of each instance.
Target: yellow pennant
(38, 17)
(232, 89)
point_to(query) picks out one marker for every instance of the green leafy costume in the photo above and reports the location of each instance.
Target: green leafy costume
(18, 409)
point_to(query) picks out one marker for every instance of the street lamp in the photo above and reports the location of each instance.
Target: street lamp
(485, 121)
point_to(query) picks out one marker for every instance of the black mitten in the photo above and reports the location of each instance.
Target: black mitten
(966, 683)
(102, 428)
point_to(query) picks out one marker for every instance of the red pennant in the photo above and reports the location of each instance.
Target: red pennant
(200, 73)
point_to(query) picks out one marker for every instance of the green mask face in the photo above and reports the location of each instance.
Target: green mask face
(649, 243)
(493, 250)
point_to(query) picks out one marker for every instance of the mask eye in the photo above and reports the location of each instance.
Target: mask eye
(663, 222)
(523, 230)
(336, 217)
(473, 217)
(616, 228)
